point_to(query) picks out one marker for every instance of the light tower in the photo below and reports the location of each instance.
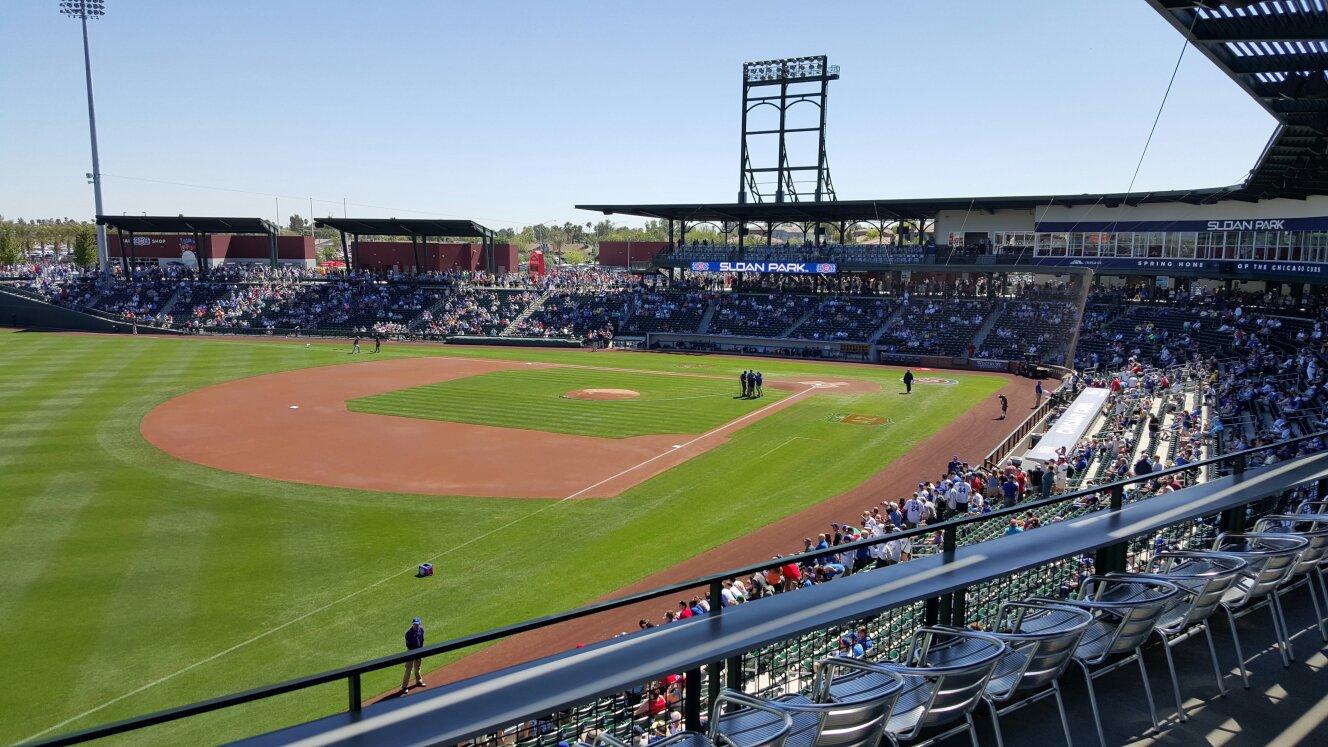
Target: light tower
(83, 10)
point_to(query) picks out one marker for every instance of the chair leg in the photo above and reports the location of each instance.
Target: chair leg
(972, 731)
(1280, 630)
(1148, 688)
(1092, 701)
(1240, 655)
(1318, 608)
(1212, 653)
(1175, 681)
(1060, 706)
(996, 723)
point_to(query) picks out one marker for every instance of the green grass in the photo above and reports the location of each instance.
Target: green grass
(133, 581)
(535, 399)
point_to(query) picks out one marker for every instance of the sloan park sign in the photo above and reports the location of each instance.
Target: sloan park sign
(787, 268)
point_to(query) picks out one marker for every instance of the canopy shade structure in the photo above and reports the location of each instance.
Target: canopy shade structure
(198, 225)
(417, 229)
(1277, 52)
(186, 224)
(895, 209)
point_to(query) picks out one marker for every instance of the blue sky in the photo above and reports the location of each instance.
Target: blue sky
(511, 112)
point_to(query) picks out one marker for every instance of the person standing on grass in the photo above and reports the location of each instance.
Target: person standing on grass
(414, 640)
(378, 341)
(760, 384)
(742, 383)
(355, 346)
(908, 382)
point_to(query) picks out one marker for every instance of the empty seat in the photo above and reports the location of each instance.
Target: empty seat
(945, 677)
(846, 705)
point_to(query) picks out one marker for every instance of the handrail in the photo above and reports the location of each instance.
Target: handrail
(353, 672)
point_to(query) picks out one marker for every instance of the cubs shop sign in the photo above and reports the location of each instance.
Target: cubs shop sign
(786, 268)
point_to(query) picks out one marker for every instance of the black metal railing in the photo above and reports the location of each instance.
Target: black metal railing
(955, 607)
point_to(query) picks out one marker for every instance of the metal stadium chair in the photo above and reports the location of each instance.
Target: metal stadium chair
(1125, 611)
(944, 679)
(749, 722)
(1203, 578)
(1271, 559)
(1040, 638)
(1309, 568)
(846, 706)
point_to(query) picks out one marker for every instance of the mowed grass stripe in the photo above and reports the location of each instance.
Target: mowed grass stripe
(239, 556)
(536, 399)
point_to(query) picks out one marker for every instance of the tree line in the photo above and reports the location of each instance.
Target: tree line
(65, 236)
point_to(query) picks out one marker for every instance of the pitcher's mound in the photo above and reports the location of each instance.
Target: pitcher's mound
(601, 394)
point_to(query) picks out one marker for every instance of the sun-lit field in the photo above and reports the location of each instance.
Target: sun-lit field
(135, 581)
(537, 399)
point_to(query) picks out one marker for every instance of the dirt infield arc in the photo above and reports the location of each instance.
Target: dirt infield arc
(295, 426)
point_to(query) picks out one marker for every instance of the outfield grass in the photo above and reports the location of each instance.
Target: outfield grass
(535, 399)
(133, 581)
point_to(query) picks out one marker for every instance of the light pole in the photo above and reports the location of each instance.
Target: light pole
(83, 10)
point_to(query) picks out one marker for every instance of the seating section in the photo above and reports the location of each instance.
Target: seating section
(1031, 330)
(666, 311)
(936, 326)
(846, 319)
(575, 313)
(758, 314)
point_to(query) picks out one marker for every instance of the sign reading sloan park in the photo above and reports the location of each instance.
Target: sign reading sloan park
(796, 268)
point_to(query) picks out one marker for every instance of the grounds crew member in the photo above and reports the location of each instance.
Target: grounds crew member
(414, 640)
(908, 382)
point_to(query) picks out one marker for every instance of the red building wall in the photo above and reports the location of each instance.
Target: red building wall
(434, 257)
(222, 246)
(623, 253)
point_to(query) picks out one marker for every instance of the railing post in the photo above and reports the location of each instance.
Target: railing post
(691, 701)
(1112, 557)
(353, 697)
(945, 607)
(712, 669)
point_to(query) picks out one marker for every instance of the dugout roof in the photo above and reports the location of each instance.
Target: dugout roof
(186, 224)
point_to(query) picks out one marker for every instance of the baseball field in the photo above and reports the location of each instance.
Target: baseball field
(182, 518)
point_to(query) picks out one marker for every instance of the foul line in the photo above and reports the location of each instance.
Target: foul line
(385, 579)
(790, 440)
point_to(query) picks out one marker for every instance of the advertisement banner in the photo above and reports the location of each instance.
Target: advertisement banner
(787, 268)
(1149, 266)
(1238, 224)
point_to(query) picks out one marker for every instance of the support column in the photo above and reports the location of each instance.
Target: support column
(354, 251)
(203, 269)
(415, 252)
(345, 251)
(272, 241)
(124, 251)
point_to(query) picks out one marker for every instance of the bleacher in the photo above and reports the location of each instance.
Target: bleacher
(936, 326)
(666, 311)
(846, 318)
(758, 314)
(1031, 330)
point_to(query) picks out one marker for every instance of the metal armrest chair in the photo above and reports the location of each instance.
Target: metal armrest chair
(751, 722)
(1203, 579)
(1125, 611)
(1310, 567)
(944, 679)
(1271, 559)
(846, 706)
(1040, 639)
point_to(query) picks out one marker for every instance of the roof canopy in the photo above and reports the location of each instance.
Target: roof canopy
(405, 227)
(186, 224)
(843, 211)
(1278, 53)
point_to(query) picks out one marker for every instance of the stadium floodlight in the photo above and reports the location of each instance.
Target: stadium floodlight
(83, 10)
